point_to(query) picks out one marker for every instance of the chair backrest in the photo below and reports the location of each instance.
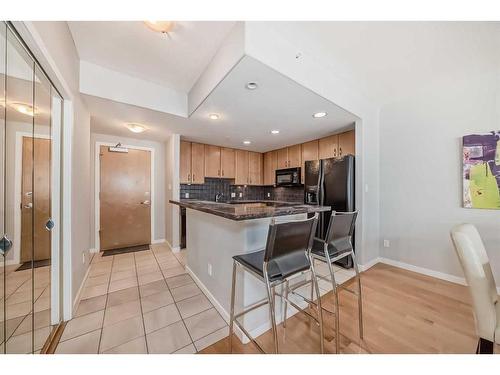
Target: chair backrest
(289, 243)
(476, 266)
(341, 226)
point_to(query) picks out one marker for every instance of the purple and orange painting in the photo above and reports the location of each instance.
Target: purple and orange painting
(481, 170)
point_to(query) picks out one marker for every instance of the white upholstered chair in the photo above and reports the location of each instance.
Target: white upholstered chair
(476, 266)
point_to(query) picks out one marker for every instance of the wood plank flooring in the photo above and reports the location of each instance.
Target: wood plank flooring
(404, 312)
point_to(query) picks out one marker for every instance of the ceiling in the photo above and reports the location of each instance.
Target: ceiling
(278, 103)
(175, 60)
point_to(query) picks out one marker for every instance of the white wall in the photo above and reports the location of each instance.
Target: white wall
(159, 180)
(420, 166)
(172, 187)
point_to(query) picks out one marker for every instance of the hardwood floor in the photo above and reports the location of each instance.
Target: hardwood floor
(404, 312)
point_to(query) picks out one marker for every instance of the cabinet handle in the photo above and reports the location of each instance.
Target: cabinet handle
(340, 151)
(223, 172)
(334, 152)
(193, 177)
(218, 172)
(189, 177)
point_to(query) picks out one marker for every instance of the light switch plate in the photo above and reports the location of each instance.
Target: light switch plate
(233, 195)
(241, 195)
(186, 195)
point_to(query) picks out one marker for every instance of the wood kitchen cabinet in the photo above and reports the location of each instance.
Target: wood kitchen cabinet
(212, 161)
(192, 161)
(255, 168)
(309, 152)
(228, 163)
(282, 158)
(185, 162)
(270, 166)
(242, 177)
(347, 143)
(289, 157)
(328, 147)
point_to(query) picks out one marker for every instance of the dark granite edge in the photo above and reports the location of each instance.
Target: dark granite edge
(282, 211)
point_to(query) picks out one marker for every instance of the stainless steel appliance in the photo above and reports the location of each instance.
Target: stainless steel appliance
(330, 182)
(288, 177)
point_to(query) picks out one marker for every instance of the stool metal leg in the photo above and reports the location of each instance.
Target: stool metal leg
(285, 303)
(231, 318)
(272, 310)
(336, 297)
(360, 299)
(314, 284)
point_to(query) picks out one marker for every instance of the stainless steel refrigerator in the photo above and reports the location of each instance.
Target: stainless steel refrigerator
(330, 182)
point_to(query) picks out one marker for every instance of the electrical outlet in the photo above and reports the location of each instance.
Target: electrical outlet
(186, 195)
(241, 195)
(387, 243)
(269, 195)
(209, 269)
(233, 195)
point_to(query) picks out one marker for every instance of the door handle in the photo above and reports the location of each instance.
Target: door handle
(5, 245)
(49, 225)
(146, 203)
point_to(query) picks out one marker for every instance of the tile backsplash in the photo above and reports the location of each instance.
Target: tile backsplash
(213, 186)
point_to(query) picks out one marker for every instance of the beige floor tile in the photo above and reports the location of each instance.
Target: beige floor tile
(190, 349)
(160, 318)
(193, 305)
(121, 312)
(177, 281)
(152, 288)
(212, 338)
(170, 263)
(122, 284)
(168, 339)
(136, 346)
(83, 324)
(171, 272)
(155, 301)
(122, 296)
(185, 291)
(97, 280)
(20, 344)
(204, 323)
(41, 319)
(13, 324)
(146, 270)
(150, 277)
(91, 305)
(42, 304)
(94, 291)
(120, 275)
(120, 333)
(84, 344)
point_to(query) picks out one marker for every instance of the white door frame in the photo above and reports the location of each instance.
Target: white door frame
(97, 188)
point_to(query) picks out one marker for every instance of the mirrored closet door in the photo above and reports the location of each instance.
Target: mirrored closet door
(31, 113)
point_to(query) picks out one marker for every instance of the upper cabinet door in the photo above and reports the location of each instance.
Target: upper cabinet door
(228, 167)
(270, 166)
(242, 177)
(282, 155)
(212, 161)
(309, 152)
(255, 168)
(185, 163)
(294, 156)
(197, 163)
(347, 143)
(328, 147)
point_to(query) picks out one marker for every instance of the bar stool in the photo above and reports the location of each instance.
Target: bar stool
(337, 245)
(287, 255)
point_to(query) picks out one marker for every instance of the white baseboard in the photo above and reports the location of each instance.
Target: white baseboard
(93, 250)
(370, 264)
(159, 240)
(76, 301)
(175, 249)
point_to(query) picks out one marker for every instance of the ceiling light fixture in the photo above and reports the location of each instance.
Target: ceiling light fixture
(163, 27)
(275, 131)
(251, 85)
(136, 128)
(25, 109)
(319, 114)
(246, 142)
(213, 116)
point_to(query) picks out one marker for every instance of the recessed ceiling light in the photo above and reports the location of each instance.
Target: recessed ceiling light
(319, 114)
(25, 109)
(246, 142)
(136, 128)
(160, 26)
(275, 131)
(251, 85)
(213, 116)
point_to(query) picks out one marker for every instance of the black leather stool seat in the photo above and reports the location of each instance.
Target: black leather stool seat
(335, 248)
(278, 268)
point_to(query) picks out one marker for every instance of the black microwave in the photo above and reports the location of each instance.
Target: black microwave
(288, 177)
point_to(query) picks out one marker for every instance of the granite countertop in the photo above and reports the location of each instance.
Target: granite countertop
(247, 210)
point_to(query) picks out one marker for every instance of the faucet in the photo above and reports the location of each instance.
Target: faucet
(218, 196)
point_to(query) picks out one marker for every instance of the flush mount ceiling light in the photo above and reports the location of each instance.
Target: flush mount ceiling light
(246, 142)
(319, 114)
(163, 27)
(23, 108)
(214, 116)
(275, 131)
(136, 128)
(251, 85)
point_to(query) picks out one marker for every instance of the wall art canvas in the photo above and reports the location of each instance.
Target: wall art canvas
(481, 170)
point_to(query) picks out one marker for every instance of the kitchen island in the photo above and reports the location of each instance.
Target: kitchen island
(215, 232)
